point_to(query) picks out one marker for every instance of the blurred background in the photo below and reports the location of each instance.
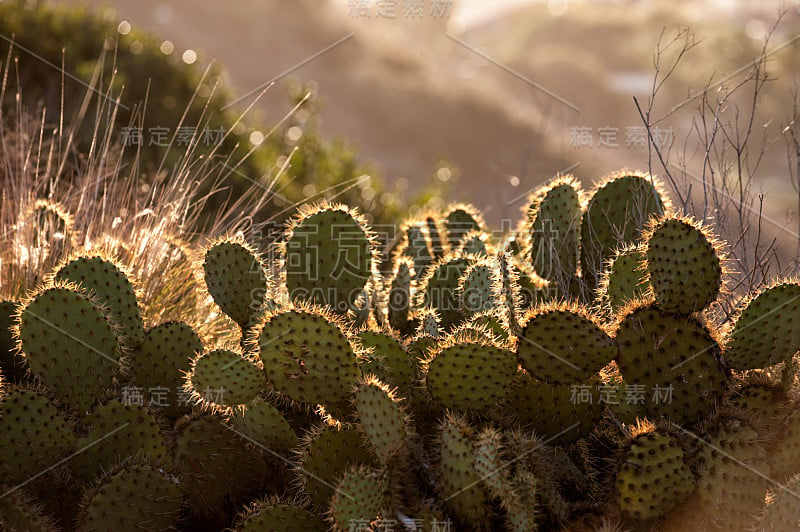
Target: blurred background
(486, 99)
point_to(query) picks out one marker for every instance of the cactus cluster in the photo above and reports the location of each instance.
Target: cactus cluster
(571, 375)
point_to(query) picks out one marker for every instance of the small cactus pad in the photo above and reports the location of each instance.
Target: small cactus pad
(160, 363)
(460, 220)
(653, 477)
(267, 516)
(389, 360)
(262, 424)
(616, 215)
(116, 431)
(328, 257)
(399, 301)
(767, 329)
(236, 280)
(70, 345)
(415, 248)
(563, 344)
(734, 475)
(307, 357)
(434, 236)
(474, 243)
(460, 485)
(381, 418)
(554, 213)
(490, 466)
(469, 373)
(106, 281)
(135, 496)
(625, 279)
(480, 287)
(224, 379)
(33, 435)
(683, 266)
(673, 360)
(326, 454)
(359, 497)
(440, 289)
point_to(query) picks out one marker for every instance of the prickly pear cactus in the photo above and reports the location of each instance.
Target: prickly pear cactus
(279, 516)
(224, 379)
(328, 257)
(683, 265)
(236, 279)
(70, 343)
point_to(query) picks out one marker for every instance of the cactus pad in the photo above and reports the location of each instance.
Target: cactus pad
(675, 360)
(135, 496)
(766, 330)
(625, 280)
(381, 418)
(268, 516)
(460, 485)
(563, 344)
(236, 280)
(654, 476)
(439, 290)
(328, 257)
(683, 266)
(224, 379)
(399, 301)
(306, 355)
(389, 360)
(460, 220)
(469, 373)
(359, 496)
(70, 345)
(33, 435)
(263, 424)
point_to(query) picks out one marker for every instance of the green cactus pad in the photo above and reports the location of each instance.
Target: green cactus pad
(224, 379)
(459, 485)
(490, 465)
(214, 464)
(106, 281)
(269, 516)
(399, 302)
(469, 373)
(325, 455)
(675, 360)
(510, 296)
(19, 512)
(559, 414)
(733, 475)
(480, 288)
(439, 290)
(555, 217)
(306, 356)
(263, 425)
(135, 496)
(328, 257)
(70, 345)
(13, 367)
(160, 363)
(785, 452)
(460, 220)
(359, 497)
(766, 330)
(625, 279)
(116, 431)
(389, 361)
(521, 514)
(617, 213)
(381, 418)
(236, 280)
(414, 247)
(33, 435)
(683, 266)
(653, 477)
(782, 511)
(563, 344)
(491, 322)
